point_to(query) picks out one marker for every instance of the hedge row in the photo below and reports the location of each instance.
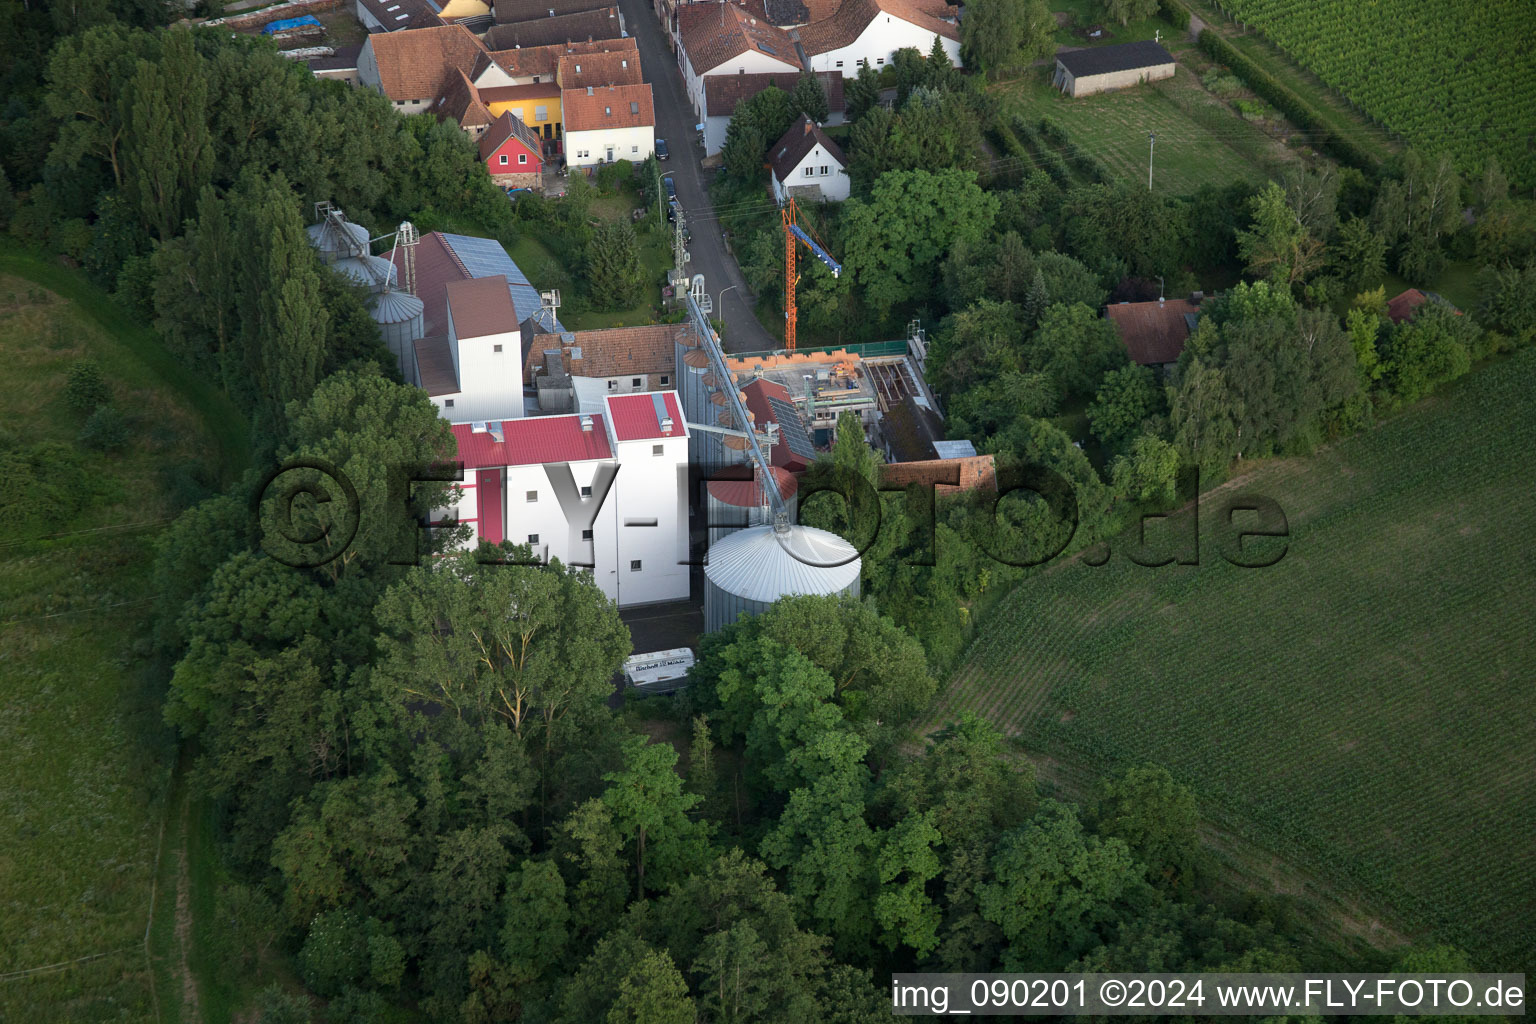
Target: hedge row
(1174, 13)
(1082, 161)
(1297, 110)
(1050, 160)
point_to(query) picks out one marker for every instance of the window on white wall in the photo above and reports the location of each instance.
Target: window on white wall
(634, 565)
(448, 403)
(809, 171)
(533, 538)
(497, 348)
(823, 170)
(586, 492)
(533, 496)
(634, 382)
(586, 534)
(634, 149)
(657, 449)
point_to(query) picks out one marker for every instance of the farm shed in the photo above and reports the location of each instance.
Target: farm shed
(1101, 68)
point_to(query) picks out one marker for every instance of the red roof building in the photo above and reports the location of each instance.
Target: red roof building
(534, 441)
(511, 149)
(1154, 332)
(644, 417)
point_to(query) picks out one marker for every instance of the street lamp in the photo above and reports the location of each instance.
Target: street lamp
(720, 303)
(1151, 146)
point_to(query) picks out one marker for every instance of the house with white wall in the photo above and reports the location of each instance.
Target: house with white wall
(871, 31)
(725, 39)
(723, 93)
(604, 124)
(808, 165)
(607, 491)
(414, 67)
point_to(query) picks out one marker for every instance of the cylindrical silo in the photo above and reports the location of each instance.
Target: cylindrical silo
(337, 238)
(737, 500)
(369, 271)
(750, 569)
(401, 319)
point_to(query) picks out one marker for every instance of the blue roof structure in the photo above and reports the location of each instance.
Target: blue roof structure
(285, 25)
(485, 257)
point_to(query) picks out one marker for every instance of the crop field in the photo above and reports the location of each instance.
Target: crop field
(1446, 75)
(1200, 140)
(85, 759)
(1363, 708)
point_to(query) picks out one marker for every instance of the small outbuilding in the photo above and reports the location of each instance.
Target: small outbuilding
(512, 153)
(1154, 332)
(1102, 68)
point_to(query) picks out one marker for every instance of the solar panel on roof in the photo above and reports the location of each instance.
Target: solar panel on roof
(485, 257)
(790, 428)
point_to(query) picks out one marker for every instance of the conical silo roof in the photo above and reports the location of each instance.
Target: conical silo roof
(764, 564)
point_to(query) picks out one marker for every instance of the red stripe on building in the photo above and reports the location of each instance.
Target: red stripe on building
(488, 490)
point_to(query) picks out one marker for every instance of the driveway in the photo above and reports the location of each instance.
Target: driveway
(674, 122)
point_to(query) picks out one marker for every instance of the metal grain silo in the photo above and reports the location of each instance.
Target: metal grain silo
(335, 237)
(750, 569)
(738, 500)
(401, 318)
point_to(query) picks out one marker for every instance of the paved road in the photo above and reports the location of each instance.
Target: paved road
(674, 122)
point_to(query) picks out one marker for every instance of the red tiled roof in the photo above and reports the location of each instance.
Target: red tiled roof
(544, 31)
(1153, 332)
(579, 70)
(714, 33)
(723, 92)
(1401, 306)
(620, 106)
(611, 352)
(851, 19)
(758, 392)
(416, 64)
(513, 93)
(508, 127)
(462, 102)
(534, 441)
(634, 416)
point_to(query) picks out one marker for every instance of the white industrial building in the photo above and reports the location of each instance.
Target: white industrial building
(607, 491)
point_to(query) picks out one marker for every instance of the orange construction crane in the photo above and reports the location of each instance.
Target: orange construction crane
(792, 233)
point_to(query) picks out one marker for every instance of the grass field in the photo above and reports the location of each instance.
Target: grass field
(1363, 708)
(1200, 139)
(86, 759)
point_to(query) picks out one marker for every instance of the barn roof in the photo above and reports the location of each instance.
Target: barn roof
(602, 23)
(1153, 332)
(1102, 60)
(723, 92)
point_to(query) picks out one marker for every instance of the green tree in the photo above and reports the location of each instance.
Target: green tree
(86, 76)
(997, 36)
(1124, 12)
(652, 991)
(167, 148)
(895, 239)
(650, 809)
(1125, 399)
(375, 431)
(1075, 346)
(1204, 413)
(1359, 254)
(589, 843)
(1277, 246)
(1422, 353)
(1057, 891)
(1148, 473)
(536, 932)
(615, 276)
(809, 98)
(1157, 819)
(532, 647)
(86, 386)
(905, 863)
(861, 93)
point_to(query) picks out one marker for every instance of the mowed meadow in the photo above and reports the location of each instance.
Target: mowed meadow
(1364, 708)
(85, 758)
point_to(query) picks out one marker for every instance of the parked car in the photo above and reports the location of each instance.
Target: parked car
(670, 185)
(661, 149)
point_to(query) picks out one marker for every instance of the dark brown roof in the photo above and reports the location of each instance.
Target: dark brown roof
(462, 102)
(480, 306)
(396, 15)
(714, 33)
(513, 93)
(579, 70)
(434, 362)
(1153, 332)
(910, 429)
(802, 137)
(506, 127)
(723, 92)
(649, 349)
(541, 60)
(620, 106)
(845, 26)
(512, 11)
(344, 59)
(1103, 60)
(602, 23)
(418, 64)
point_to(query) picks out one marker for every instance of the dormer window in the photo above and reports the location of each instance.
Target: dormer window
(608, 111)
(634, 108)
